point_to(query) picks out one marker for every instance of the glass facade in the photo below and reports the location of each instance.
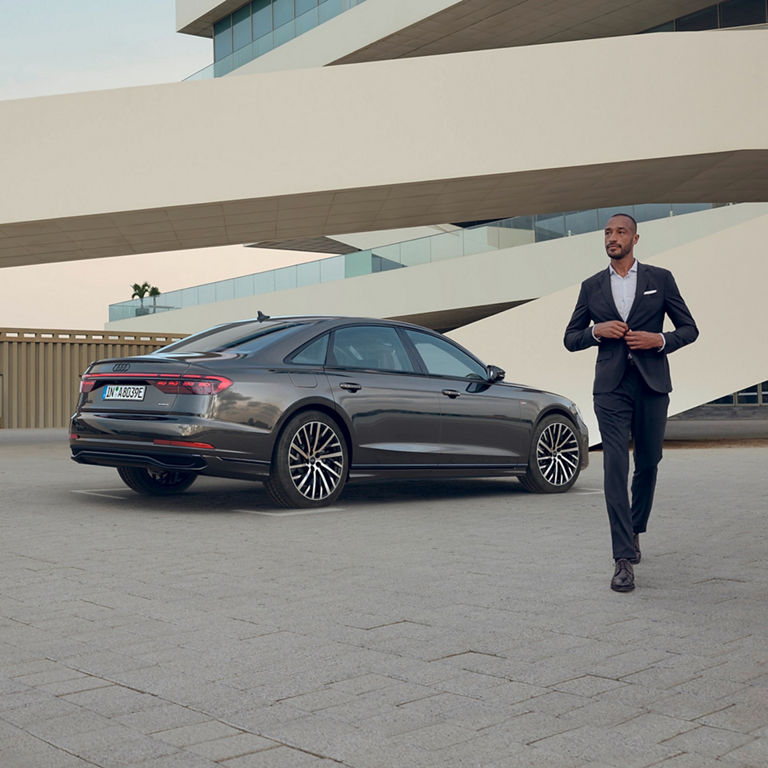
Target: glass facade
(488, 236)
(732, 13)
(261, 25)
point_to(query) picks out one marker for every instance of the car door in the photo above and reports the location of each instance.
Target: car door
(481, 421)
(393, 408)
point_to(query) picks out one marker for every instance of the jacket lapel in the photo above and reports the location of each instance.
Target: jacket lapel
(640, 288)
(605, 289)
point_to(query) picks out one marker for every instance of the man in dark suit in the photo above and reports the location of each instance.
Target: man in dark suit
(621, 311)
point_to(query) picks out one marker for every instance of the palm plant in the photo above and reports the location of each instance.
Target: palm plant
(140, 291)
(154, 292)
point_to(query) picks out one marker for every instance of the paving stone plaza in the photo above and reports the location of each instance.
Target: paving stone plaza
(412, 625)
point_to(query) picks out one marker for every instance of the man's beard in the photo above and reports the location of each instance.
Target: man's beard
(620, 254)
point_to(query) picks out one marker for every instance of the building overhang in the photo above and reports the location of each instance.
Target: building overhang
(266, 157)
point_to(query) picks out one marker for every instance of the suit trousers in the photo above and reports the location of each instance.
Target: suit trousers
(633, 410)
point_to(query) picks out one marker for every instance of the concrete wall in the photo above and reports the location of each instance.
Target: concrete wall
(385, 144)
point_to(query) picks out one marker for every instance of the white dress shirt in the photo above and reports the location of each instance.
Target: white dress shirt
(623, 290)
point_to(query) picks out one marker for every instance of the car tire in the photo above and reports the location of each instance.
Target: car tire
(554, 460)
(156, 482)
(310, 463)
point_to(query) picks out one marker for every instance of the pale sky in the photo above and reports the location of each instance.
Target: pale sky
(62, 47)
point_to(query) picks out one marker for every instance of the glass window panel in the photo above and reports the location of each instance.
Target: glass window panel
(740, 13)
(679, 209)
(313, 354)
(189, 297)
(668, 27)
(223, 66)
(244, 286)
(241, 27)
(603, 214)
(261, 17)
(264, 44)
(285, 278)
(307, 21)
(285, 33)
(264, 282)
(415, 252)
(651, 211)
(222, 38)
(550, 227)
(308, 274)
(224, 290)
(282, 12)
(372, 347)
(206, 294)
(442, 358)
(390, 253)
(327, 9)
(580, 222)
(302, 6)
(449, 245)
(357, 264)
(477, 240)
(747, 396)
(332, 269)
(703, 19)
(242, 56)
(518, 222)
(727, 400)
(383, 264)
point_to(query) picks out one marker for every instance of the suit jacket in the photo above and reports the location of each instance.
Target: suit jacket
(656, 295)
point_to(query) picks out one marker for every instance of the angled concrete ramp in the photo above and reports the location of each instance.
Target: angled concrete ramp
(385, 144)
(722, 277)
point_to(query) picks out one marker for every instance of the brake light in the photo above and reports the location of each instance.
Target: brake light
(169, 384)
(192, 385)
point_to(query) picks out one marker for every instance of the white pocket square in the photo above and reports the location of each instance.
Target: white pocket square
(648, 293)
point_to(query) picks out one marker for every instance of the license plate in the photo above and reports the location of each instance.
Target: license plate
(123, 392)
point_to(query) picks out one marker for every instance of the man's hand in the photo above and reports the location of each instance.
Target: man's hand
(611, 329)
(643, 340)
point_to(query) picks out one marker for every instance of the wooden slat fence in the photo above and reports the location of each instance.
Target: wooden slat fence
(40, 370)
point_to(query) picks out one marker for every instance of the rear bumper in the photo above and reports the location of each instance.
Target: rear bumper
(214, 465)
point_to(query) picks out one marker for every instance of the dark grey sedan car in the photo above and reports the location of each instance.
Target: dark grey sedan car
(306, 403)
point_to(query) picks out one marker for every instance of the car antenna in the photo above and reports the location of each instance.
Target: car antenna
(261, 317)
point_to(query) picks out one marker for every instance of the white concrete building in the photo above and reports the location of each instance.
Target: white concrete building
(322, 121)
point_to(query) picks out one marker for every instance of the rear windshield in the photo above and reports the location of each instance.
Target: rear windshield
(241, 337)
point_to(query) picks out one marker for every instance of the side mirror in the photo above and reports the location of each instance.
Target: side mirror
(495, 373)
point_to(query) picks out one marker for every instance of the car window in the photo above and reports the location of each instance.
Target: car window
(313, 353)
(442, 358)
(374, 347)
(242, 337)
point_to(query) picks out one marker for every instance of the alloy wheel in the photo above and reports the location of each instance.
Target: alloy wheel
(316, 460)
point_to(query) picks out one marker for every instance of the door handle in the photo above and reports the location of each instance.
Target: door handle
(350, 386)
(452, 393)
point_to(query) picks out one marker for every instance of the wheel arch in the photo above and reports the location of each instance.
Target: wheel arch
(324, 406)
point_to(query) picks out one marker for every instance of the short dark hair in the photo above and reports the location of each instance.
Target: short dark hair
(626, 216)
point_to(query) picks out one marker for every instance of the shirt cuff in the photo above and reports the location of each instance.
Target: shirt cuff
(663, 343)
(595, 337)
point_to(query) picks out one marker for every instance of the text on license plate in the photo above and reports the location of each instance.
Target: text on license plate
(123, 392)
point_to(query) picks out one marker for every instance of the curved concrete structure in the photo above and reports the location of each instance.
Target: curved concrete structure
(307, 153)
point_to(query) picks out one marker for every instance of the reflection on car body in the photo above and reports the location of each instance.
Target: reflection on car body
(305, 403)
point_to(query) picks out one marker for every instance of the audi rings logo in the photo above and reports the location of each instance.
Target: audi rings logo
(121, 367)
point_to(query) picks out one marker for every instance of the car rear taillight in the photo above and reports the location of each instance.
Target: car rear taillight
(192, 385)
(169, 384)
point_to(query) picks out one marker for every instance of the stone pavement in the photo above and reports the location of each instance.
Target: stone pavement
(413, 625)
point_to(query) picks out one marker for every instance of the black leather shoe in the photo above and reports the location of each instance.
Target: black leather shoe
(638, 554)
(623, 577)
